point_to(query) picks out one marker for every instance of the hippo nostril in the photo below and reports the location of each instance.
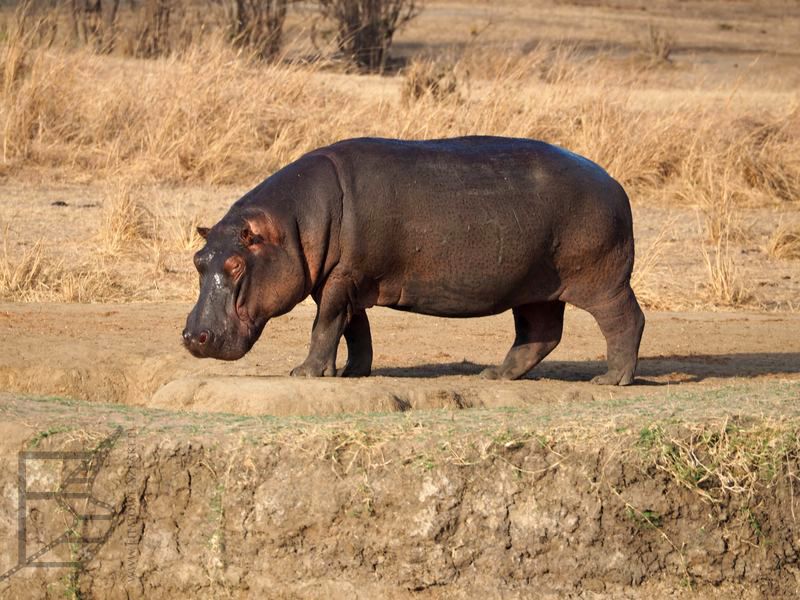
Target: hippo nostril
(203, 337)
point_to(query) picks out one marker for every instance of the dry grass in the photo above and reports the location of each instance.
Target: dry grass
(429, 78)
(711, 193)
(143, 229)
(213, 116)
(210, 115)
(721, 222)
(724, 284)
(174, 239)
(23, 37)
(657, 46)
(140, 249)
(35, 277)
(723, 459)
(760, 155)
(784, 242)
(176, 228)
(643, 280)
(126, 220)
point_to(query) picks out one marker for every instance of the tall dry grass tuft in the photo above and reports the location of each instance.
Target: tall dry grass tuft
(177, 228)
(139, 228)
(126, 221)
(644, 277)
(714, 198)
(760, 155)
(27, 34)
(175, 239)
(93, 283)
(18, 45)
(711, 193)
(23, 275)
(141, 249)
(724, 284)
(657, 45)
(784, 242)
(429, 78)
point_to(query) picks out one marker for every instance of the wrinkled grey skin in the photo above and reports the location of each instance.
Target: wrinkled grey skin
(463, 227)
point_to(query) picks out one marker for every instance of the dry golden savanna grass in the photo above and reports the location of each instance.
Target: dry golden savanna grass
(209, 115)
(34, 276)
(785, 242)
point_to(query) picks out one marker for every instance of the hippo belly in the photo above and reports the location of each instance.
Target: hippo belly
(483, 262)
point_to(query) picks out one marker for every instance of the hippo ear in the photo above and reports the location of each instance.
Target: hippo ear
(203, 232)
(260, 230)
(249, 238)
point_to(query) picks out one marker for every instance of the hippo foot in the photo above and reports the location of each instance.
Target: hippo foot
(490, 373)
(356, 370)
(308, 370)
(613, 378)
(494, 373)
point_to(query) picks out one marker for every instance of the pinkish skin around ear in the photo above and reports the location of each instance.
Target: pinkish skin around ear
(203, 232)
(248, 237)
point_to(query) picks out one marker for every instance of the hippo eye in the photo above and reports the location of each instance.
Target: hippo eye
(234, 266)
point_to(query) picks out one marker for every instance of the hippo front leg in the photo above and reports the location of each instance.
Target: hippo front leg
(329, 324)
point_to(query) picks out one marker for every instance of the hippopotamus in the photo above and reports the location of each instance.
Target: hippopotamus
(461, 227)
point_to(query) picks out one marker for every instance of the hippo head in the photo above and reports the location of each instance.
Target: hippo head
(248, 274)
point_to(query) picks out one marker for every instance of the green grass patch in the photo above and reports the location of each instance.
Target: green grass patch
(46, 433)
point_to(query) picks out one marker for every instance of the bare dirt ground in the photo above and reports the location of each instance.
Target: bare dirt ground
(132, 354)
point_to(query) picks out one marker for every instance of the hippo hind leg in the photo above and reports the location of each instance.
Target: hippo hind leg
(622, 322)
(359, 345)
(538, 328)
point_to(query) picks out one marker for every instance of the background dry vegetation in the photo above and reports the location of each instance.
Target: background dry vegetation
(114, 146)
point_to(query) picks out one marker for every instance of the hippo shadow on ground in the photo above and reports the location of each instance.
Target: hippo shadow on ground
(444, 369)
(691, 368)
